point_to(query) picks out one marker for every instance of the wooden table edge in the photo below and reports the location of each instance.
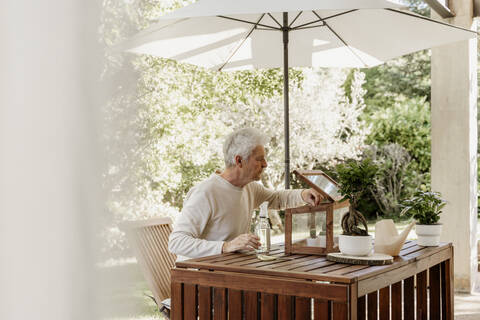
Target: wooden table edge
(198, 264)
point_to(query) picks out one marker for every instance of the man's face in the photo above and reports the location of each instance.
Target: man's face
(255, 164)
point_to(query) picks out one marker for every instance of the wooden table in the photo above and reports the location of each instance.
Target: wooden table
(239, 286)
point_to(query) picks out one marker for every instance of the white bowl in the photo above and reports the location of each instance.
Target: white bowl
(355, 245)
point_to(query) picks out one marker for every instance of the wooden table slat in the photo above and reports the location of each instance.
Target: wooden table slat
(408, 298)
(275, 263)
(397, 301)
(267, 306)
(325, 270)
(349, 269)
(251, 304)
(285, 307)
(372, 302)
(361, 308)
(177, 300)
(204, 303)
(288, 265)
(411, 250)
(220, 304)
(384, 303)
(302, 308)
(422, 305)
(339, 311)
(248, 259)
(408, 244)
(305, 268)
(321, 309)
(434, 292)
(190, 301)
(234, 304)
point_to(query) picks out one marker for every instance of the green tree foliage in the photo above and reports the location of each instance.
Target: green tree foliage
(406, 123)
(401, 78)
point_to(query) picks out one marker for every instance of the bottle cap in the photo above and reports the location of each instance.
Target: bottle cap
(264, 210)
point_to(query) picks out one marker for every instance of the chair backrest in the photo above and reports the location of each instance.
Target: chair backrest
(149, 240)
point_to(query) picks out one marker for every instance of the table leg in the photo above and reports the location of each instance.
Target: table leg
(353, 301)
(447, 288)
(176, 312)
(361, 308)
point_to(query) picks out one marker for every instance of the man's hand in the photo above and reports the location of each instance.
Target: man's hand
(245, 241)
(312, 197)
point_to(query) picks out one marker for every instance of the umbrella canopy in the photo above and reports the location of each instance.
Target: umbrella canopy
(232, 34)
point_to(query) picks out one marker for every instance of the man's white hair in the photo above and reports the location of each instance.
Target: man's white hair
(241, 143)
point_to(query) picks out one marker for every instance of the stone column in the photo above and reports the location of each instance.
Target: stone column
(454, 142)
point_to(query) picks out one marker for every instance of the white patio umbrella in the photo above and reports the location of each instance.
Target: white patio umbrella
(232, 35)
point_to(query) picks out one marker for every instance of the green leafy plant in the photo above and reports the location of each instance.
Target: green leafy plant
(356, 179)
(425, 207)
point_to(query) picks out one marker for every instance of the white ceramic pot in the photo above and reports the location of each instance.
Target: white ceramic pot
(355, 245)
(428, 234)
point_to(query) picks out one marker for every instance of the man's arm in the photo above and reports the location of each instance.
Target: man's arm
(283, 199)
(189, 226)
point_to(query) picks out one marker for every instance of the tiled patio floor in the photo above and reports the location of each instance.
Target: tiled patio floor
(467, 306)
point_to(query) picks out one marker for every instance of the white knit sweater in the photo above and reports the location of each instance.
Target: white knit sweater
(216, 211)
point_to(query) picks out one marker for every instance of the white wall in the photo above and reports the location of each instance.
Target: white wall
(48, 158)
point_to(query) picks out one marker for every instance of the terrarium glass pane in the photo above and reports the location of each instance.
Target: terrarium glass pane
(326, 185)
(337, 225)
(309, 229)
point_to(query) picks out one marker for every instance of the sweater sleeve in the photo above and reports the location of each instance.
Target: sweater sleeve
(185, 239)
(277, 200)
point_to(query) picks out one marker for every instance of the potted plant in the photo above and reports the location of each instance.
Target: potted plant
(425, 207)
(355, 179)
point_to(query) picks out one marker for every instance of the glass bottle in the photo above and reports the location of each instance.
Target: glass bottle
(262, 229)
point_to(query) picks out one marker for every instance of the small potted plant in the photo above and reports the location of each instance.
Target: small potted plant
(356, 179)
(425, 207)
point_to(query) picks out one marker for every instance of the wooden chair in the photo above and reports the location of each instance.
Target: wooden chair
(149, 241)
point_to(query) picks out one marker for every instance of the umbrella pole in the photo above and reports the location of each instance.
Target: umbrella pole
(286, 100)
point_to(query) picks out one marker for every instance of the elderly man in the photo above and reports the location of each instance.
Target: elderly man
(216, 214)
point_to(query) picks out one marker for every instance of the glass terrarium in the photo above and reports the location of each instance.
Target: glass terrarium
(315, 230)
